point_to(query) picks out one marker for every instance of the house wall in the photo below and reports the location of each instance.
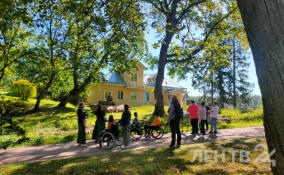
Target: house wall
(140, 75)
(97, 93)
(167, 97)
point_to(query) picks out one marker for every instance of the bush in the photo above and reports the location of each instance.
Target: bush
(23, 89)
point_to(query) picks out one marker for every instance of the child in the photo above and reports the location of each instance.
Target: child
(112, 126)
(135, 122)
(156, 123)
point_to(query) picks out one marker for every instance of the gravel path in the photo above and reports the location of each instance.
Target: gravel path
(68, 150)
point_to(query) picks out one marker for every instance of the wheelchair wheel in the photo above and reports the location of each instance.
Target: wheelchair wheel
(108, 140)
(118, 141)
(136, 133)
(157, 133)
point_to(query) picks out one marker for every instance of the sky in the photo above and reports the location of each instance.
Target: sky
(151, 39)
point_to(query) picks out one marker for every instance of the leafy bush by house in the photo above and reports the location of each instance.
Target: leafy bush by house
(23, 89)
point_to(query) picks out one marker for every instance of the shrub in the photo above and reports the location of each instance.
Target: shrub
(23, 89)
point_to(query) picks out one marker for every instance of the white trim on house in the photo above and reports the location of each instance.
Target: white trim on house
(133, 94)
(121, 94)
(105, 93)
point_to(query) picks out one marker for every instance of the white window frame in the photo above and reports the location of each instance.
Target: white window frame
(132, 95)
(107, 91)
(120, 95)
(133, 77)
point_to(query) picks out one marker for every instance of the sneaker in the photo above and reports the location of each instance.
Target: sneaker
(211, 132)
(215, 132)
(178, 145)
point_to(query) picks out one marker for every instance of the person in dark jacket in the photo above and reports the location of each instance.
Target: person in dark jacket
(174, 121)
(100, 122)
(207, 116)
(81, 138)
(124, 123)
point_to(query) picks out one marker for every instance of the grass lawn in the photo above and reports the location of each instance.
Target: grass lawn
(153, 161)
(52, 125)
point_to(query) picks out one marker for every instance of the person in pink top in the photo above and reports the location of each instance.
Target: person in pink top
(193, 110)
(112, 126)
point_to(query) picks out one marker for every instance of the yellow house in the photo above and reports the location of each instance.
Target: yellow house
(135, 90)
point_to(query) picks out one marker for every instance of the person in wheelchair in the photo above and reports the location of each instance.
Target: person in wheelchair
(155, 125)
(135, 122)
(112, 126)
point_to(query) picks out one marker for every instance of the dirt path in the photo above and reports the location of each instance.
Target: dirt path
(68, 150)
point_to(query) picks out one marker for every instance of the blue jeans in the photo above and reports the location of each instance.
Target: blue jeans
(214, 124)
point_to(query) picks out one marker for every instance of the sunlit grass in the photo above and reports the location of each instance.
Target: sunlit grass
(236, 114)
(153, 161)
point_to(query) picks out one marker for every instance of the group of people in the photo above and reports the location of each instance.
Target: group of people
(198, 115)
(112, 125)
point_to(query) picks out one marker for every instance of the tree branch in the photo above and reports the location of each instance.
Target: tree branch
(14, 60)
(166, 5)
(181, 16)
(161, 8)
(197, 50)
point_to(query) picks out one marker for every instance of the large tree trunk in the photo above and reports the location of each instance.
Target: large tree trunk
(76, 91)
(159, 81)
(264, 24)
(2, 75)
(66, 99)
(212, 90)
(234, 75)
(160, 75)
(221, 89)
(44, 91)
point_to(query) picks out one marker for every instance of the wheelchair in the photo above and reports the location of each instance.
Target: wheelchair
(108, 140)
(137, 132)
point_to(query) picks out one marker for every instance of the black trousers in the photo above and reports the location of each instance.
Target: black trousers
(175, 130)
(148, 128)
(115, 130)
(202, 127)
(194, 124)
(206, 122)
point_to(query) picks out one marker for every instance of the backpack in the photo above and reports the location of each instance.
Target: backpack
(179, 112)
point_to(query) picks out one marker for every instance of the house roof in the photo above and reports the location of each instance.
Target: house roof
(115, 78)
(149, 80)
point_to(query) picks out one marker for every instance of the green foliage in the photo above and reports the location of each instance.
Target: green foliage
(23, 89)
(224, 64)
(14, 33)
